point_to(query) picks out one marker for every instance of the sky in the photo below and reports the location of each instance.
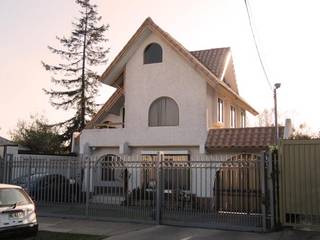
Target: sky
(287, 33)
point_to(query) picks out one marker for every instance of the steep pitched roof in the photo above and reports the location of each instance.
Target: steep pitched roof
(241, 139)
(107, 106)
(6, 142)
(214, 59)
(148, 27)
(218, 61)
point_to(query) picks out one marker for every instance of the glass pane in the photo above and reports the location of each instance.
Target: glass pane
(152, 54)
(13, 196)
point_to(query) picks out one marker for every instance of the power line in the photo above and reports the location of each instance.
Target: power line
(256, 45)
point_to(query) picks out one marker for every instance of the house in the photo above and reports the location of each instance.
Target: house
(167, 99)
(7, 147)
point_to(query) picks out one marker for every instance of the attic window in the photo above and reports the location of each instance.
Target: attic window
(152, 54)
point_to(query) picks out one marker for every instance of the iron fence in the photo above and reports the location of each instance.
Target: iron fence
(223, 190)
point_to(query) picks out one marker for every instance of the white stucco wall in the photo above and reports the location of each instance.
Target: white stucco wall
(144, 83)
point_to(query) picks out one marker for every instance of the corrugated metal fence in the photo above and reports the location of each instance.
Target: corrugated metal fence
(299, 183)
(229, 191)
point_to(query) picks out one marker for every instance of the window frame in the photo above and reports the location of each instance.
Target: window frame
(242, 118)
(233, 117)
(147, 59)
(156, 103)
(220, 110)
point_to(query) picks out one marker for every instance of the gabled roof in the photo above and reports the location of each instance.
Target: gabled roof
(218, 60)
(148, 27)
(107, 106)
(6, 142)
(241, 139)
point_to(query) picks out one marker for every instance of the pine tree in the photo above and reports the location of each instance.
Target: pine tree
(77, 81)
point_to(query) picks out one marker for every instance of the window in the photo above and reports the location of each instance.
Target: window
(232, 117)
(12, 196)
(164, 111)
(242, 119)
(108, 167)
(220, 110)
(152, 54)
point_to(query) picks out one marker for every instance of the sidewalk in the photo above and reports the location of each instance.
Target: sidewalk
(135, 231)
(84, 226)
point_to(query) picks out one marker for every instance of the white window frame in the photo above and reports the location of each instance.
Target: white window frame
(242, 118)
(233, 117)
(220, 110)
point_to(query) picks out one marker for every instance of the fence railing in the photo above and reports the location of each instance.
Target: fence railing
(222, 190)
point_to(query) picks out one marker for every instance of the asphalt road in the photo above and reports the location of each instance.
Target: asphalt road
(135, 231)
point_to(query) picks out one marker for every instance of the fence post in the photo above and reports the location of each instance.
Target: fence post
(159, 187)
(263, 191)
(271, 188)
(87, 184)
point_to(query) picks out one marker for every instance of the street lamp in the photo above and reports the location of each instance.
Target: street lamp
(276, 86)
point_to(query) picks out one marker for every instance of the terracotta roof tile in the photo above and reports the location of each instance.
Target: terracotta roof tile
(213, 59)
(241, 139)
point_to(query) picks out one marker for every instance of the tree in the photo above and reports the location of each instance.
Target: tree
(38, 136)
(266, 118)
(303, 132)
(78, 82)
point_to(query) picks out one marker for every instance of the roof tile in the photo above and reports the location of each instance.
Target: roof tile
(213, 59)
(254, 138)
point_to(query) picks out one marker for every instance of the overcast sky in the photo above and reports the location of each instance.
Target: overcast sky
(287, 32)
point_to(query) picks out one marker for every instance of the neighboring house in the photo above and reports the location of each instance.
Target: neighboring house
(7, 147)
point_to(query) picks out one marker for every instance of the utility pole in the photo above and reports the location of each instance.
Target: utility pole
(276, 86)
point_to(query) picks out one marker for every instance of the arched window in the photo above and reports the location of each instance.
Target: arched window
(108, 163)
(164, 111)
(152, 54)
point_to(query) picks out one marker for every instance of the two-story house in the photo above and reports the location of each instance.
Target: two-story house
(167, 99)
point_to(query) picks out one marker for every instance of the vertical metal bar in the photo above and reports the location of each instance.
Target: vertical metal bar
(87, 185)
(271, 189)
(263, 192)
(159, 189)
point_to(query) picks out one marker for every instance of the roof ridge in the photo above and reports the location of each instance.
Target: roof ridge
(208, 49)
(244, 128)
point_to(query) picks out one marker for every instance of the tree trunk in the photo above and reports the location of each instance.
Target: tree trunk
(83, 80)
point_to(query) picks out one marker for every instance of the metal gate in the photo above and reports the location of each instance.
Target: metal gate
(220, 191)
(226, 191)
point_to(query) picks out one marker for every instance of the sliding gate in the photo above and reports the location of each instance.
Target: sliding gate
(218, 191)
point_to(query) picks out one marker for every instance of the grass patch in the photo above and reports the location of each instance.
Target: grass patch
(45, 235)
